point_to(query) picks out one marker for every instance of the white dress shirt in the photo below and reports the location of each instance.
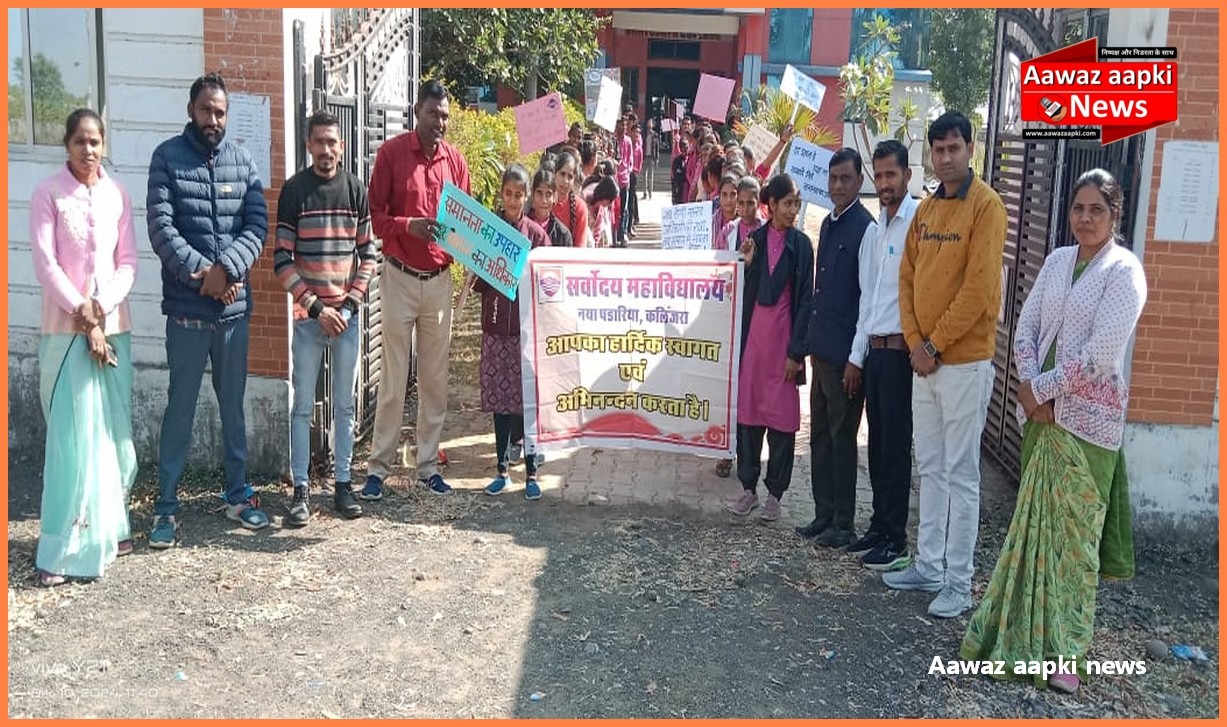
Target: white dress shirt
(879, 278)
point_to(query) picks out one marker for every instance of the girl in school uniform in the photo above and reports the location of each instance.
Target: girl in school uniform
(568, 205)
(726, 212)
(778, 292)
(541, 209)
(501, 385)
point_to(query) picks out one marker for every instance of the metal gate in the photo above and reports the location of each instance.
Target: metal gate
(1033, 177)
(368, 80)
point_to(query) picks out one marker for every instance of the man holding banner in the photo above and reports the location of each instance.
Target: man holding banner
(416, 287)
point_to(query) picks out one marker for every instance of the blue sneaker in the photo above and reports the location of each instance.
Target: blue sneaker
(436, 485)
(498, 485)
(373, 489)
(532, 491)
(165, 527)
(246, 513)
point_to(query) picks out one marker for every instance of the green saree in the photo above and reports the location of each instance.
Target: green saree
(1072, 523)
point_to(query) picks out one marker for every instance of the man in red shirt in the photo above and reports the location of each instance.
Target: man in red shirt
(415, 286)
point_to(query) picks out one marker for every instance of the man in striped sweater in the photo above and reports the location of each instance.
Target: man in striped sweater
(323, 218)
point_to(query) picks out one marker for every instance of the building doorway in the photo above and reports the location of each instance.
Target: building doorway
(675, 83)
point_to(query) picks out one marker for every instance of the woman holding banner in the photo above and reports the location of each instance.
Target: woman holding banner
(775, 323)
(501, 381)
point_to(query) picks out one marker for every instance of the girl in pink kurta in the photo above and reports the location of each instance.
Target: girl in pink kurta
(778, 290)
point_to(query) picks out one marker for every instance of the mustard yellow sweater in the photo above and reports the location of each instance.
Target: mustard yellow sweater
(950, 274)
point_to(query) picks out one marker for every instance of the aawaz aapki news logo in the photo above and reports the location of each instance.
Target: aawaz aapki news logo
(1074, 86)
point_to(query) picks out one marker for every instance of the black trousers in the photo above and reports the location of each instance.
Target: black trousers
(624, 218)
(834, 419)
(888, 403)
(779, 458)
(634, 200)
(505, 425)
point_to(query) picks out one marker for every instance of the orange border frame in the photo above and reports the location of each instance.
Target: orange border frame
(624, 5)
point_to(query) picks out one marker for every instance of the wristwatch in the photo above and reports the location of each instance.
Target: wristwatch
(931, 350)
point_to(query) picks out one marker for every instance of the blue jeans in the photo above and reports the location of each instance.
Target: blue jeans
(308, 350)
(188, 349)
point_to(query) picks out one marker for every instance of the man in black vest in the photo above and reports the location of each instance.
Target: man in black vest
(836, 396)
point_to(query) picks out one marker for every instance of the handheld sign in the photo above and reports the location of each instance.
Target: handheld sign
(686, 226)
(607, 104)
(801, 88)
(482, 241)
(810, 167)
(760, 142)
(540, 123)
(592, 87)
(712, 99)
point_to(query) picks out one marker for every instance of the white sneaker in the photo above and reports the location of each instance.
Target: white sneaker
(909, 579)
(951, 602)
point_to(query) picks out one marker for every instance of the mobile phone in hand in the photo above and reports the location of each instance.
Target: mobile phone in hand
(112, 361)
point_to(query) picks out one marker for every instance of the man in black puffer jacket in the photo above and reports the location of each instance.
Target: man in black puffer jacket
(207, 222)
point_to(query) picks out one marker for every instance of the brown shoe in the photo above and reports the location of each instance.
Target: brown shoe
(743, 505)
(771, 509)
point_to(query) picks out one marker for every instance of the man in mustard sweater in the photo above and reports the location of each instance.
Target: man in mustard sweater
(949, 301)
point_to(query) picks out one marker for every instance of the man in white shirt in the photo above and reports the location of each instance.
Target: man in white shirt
(880, 350)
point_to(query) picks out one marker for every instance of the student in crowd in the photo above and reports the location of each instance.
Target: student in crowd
(569, 206)
(325, 258)
(501, 384)
(602, 196)
(624, 156)
(637, 147)
(541, 208)
(677, 175)
(588, 158)
(731, 236)
(726, 212)
(85, 260)
(778, 288)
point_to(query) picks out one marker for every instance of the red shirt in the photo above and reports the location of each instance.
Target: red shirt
(406, 184)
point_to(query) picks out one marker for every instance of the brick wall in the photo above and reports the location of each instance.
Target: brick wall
(1175, 361)
(246, 46)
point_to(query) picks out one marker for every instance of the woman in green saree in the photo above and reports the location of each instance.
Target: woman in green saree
(1071, 522)
(84, 244)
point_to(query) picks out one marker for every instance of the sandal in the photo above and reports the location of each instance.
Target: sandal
(724, 468)
(1064, 683)
(47, 579)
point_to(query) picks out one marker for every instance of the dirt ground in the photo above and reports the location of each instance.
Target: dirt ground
(471, 606)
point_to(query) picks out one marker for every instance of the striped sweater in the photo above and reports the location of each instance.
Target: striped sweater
(321, 224)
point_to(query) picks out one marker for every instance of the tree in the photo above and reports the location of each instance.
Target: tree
(866, 84)
(52, 101)
(528, 49)
(960, 57)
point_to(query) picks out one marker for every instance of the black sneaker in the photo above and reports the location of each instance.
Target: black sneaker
(834, 537)
(867, 543)
(300, 509)
(887, 557)
(814, 529)
(344, 502)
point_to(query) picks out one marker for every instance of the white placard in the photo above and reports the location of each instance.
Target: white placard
(607, 104)
(760, 142)
(809, 166)
(1188, 192)
(801, 88)
(686, 226)
(592, 87)
(249, 124)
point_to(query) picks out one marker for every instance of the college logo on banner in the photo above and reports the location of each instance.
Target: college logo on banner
(549, 285)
